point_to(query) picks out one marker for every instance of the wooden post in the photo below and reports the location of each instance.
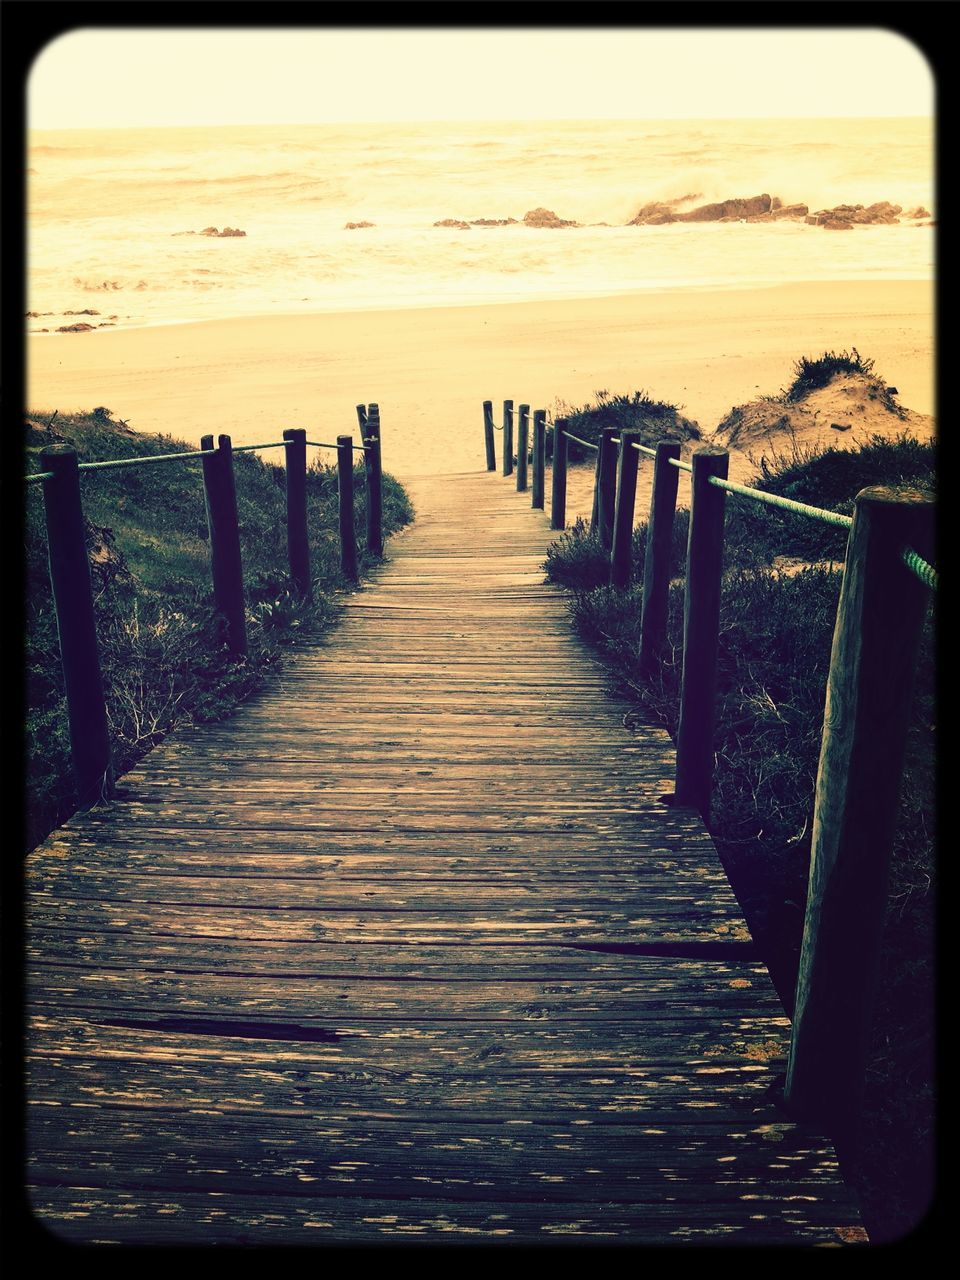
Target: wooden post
(373, 422)
(623, 515)
(656, 564)
(523, 420)
(348, 536)
(298, 543)
(488, 435)
(374, 474)
(508, 437)
(595, 509)
(539, 433)
(558, 496)
(607, 485)
(869, 691)
(76, 624)
(362, 420)
(220, 497)
(701, 629)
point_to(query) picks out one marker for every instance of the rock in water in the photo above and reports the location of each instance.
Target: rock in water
(545, 218)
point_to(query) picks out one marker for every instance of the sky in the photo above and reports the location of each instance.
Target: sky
(111, 78)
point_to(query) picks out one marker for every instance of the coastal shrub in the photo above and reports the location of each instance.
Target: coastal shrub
(830, 479)
(811, 374)
(578, 559)
(162, 646)
(654, 419)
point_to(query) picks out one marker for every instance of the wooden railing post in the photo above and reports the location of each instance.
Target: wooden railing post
(508, 437)
(595, 509)
(523, 420)
(220, 497)
(701, 630)
(298, 542)
(348, 536)
(659, 549)
(373, 467)
(539, 434)
(362, 419)
(76, 624)
(373, 422)
(869, 690)
(623, 515)
(488, 435)
(558, 494)
(606, 485)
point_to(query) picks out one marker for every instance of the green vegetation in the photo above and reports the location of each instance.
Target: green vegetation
(810, 375)
(161, 643)
(654, 419)
(775, 638)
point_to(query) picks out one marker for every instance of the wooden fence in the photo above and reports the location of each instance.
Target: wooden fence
(883, 603)
(70, 568)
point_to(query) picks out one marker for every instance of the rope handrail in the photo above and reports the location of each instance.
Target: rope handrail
(786, 504)
(357, 448)
(586, 443)
(136, 462)
(115, 463)
(677, 462)
(924, 571)
(274, 444)
(642, 448)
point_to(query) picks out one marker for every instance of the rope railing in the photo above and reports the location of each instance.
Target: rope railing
(357, 448)
(877, 634)
(785, 504)
(587, 444)
(923, 570)
(248, 448)
(116, 463)
(74, 603)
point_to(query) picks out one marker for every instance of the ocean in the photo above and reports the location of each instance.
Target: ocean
(108, 211)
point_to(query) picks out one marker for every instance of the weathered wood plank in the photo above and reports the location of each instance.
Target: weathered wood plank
(411, 948)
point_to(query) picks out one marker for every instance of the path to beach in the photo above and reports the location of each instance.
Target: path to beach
(431, 369)
(411, 948)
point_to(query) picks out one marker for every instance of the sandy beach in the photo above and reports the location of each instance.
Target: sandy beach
(430, 369)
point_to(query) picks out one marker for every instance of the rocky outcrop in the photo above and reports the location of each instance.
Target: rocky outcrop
(87, 311)
(212, 231)
(793, 212)
(918, 212)
(843, 216)
(541, 217)
(355, 226)
(75, 328)
(654, 214)
(731, 209)
(493, 222)
(454, 222)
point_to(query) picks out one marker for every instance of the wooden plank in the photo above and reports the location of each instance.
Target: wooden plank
(411, 948)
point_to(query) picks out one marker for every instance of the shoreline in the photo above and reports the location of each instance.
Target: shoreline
(430, 368)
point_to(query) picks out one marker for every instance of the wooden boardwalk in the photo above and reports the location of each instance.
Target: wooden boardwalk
(410, 949)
